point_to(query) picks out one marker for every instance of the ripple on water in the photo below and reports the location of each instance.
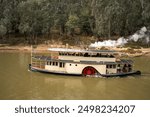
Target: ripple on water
(19, 83)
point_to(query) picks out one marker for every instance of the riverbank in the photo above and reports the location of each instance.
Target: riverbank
(40, 47)
(43, 47)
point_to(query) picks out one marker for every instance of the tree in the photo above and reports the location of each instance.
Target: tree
(72, 23)
(104, 18)
(35, 19)
(3, 30)
(146, 12)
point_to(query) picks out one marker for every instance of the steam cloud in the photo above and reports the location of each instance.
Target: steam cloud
(142, 34)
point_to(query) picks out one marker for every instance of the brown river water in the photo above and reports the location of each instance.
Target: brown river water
(16, 82)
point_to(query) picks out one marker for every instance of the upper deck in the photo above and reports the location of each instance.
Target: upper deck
(85, 55)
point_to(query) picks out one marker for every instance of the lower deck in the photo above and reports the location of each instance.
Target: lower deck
(82, 67)
(94, 75)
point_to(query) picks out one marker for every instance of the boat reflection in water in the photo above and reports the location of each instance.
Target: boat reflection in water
(76, 87)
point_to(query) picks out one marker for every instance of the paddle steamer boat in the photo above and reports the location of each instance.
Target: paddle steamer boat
(94, 63)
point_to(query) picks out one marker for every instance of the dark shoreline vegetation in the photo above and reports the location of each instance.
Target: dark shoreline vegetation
(76, 22)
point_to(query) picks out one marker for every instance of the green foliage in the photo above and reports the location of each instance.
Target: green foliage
(103, 18)
(72, 22)
(35, 18)
(3, 30)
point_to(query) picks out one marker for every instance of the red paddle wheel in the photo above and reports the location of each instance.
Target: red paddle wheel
(88, 71)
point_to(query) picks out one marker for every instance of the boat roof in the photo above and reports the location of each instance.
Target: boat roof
(80, 50)
(48, 58)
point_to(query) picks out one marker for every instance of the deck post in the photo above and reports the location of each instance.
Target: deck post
(31, 55)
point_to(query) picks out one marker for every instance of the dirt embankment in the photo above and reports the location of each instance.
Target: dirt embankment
(43, 47)
(133, 52)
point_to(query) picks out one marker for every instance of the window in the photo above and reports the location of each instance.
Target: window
(114, 66)
(61, 64)
(47, 63)
(110, 66)
(107, 66)
(54, 63)
(86, 55)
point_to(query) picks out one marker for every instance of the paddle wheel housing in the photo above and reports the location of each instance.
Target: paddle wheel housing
(89, 71)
